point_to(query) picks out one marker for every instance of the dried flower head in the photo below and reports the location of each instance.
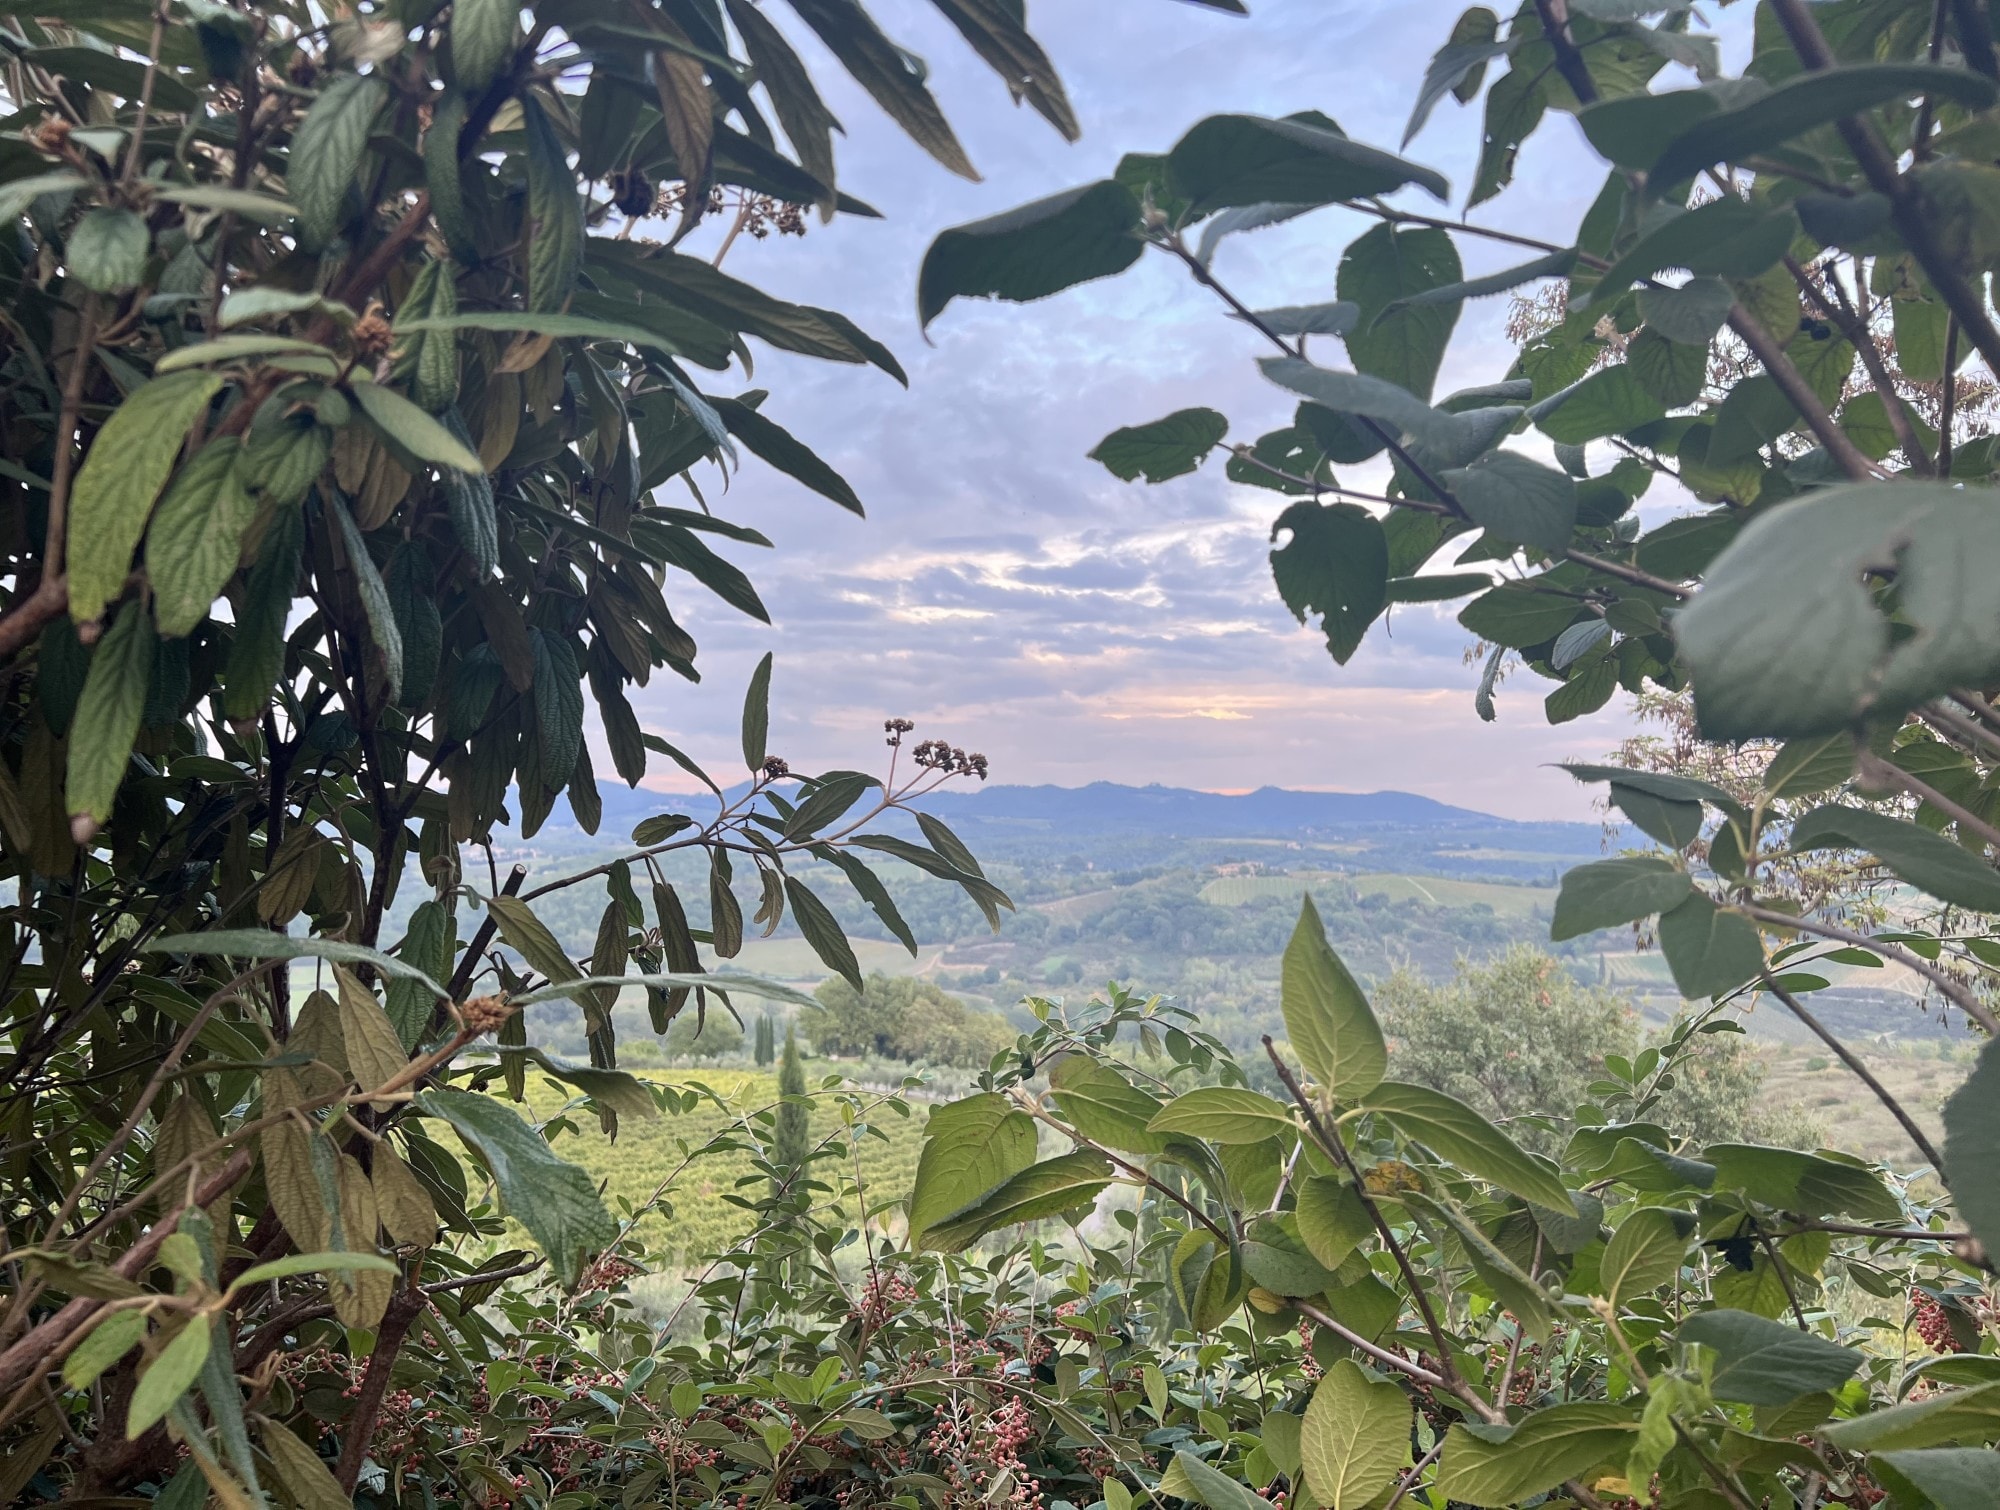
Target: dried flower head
(776, 768)
(485, 1014)
(373, 335)
(52, 135)
(896, 728)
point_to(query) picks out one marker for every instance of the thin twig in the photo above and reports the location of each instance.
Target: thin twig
(1960, 997)
(1880, 770)
(1847, 1057)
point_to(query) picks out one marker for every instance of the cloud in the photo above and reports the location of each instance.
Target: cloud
(1006, 591)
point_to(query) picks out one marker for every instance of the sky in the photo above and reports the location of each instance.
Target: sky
(1008, 594)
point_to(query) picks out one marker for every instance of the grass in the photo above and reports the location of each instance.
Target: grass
(704, 1205)
(1855, 1121)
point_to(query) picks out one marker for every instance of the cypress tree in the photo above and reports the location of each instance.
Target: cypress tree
(791, 1140)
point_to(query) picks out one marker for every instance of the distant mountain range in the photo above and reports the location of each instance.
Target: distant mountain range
(1128, 825)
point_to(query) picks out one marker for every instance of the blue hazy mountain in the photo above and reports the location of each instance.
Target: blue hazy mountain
(1113, 825)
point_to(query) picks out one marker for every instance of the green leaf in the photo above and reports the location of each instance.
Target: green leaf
(1965, 1414)
(1610, 401)
(971, 1148)
(108, 716)
(1764, 1362)
(1104, 1106)
(558, 706)
(375, 1053)
(163, 1381)
(1327, 1018)
(1503, 1465)
(1509, 1283)
(1224, 1114)
(1519, 500)
(1786, 637)
(1334, 319)
(372, 591)
(261, 943)
(1805, 103)
(885, 70)
(624, 1094)
(1729, 238)
(1227, 161)
(107, 250)
(293, 1264)
(1671, 373)
(557, 1202)
(822, 930)
(1357, 393)
(196, 537)
(1068, 1182)
(1689, 315)
(124, 472)
(757, 715)
(1951, 1478)
(1517, 615)
(774, 444)
(1972, 1148)
(1333, 1219)
(1356, 1436)
(1810, 1184)
(1211, 1486)
(327, 149)
(18, 194)
(1336, 564)
(1034, 251)
(1550, 265)
(1404, 345)
(301, 1471)
(1465, 1138)
(1165, 448)
(1606, 893)
(1930, 862)
(530, 938)
(409, 429)
(115, 1335)
(1711, 952)
(1645, 1253)
(555, 214)
(483, 36)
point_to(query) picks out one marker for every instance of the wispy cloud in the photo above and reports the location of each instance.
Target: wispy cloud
(1009, 593)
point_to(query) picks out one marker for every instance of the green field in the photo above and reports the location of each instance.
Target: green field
(1436, 891)
(696, 1214)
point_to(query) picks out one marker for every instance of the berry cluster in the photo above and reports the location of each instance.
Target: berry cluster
(1928, 1320)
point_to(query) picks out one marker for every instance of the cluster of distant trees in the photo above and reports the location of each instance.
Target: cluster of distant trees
(902, 1017)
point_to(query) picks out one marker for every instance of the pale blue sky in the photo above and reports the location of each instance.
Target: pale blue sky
(1009, 594)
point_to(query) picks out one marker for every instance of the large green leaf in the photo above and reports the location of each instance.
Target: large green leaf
(823, 932)
(169, 1375)
(1519, 500)
(1517, 615)
(1711, 952)
(1356, 1436)
(1763, 1362)
(1224, 1114)
(1165, 448)
(261, 943)
(1645, 1252)
(327, 149)
(1104, 1106)
(1033, 251)
(1951, 1478)
(483, 35)
(409, 429)
(1335, 564)
(1211, 1486)
(1806, 102)
(1066, 1183)
(1609, 401)
(1400, 410)
(884, 70)
(1232, 160)
(555, 214)
(1811, 1184)
(1730, 238)
(124, 472)
(556, 1201)
(1964, 1415)
(1972, 1148)
(107, 250)
(196, 537)
(1503, 1465)
(770, 442)
(1607, 893)
(1788, 638)
(108, 716)
(1462, 1136)
(1333, 1219)
(971, 1148)
(1387, 266)
(1928, 861)
(1549, 265)
(1332, 1028)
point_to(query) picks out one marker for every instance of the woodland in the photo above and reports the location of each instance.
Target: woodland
(363, 416)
